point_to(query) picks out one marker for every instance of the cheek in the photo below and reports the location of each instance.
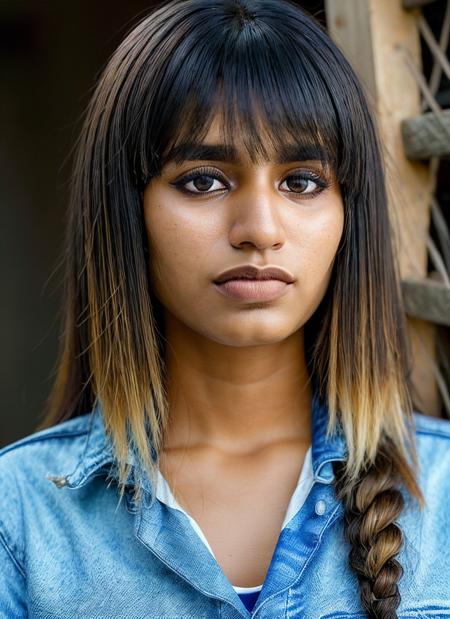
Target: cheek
(176, 249)
(320, 245)
(321, 232)
(318, 237)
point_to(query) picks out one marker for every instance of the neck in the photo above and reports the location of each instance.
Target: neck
(235, 398)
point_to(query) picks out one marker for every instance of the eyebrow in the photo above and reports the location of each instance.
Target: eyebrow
(195, 151)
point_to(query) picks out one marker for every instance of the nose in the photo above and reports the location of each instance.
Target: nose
(256, 217)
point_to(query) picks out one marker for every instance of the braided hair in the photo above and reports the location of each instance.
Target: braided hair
(372, 506)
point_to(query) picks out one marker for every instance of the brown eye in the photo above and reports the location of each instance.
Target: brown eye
(201, 182)
(306, 183)
(298, 183)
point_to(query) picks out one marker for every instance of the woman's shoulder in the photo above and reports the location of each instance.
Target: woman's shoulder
(61, 447)
(432, 436)
(432, 426)
(427, 530)
(66, 454)
(433, 444)
(27, 467)
(61, 443)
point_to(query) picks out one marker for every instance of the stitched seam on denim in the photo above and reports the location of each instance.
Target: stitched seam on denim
(328, 523)
(176, 571)
(11, 555)
(287, 602)
(431, 432)
(37, 439)
(434, 431)
(87, 432)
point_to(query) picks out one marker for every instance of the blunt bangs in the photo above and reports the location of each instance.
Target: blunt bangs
(257, 73)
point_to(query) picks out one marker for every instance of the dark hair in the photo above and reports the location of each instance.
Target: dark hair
(277, 78)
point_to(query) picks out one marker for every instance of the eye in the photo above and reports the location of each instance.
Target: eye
(206, 181)
(201, 181)
(305, 183)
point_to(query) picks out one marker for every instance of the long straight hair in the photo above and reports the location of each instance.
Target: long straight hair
(276, 77)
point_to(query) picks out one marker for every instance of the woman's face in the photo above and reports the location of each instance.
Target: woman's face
(205, 216)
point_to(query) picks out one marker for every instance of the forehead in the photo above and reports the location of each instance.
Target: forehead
(218, 145)
(232, 146)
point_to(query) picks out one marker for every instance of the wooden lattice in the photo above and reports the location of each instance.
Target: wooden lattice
(386, 41)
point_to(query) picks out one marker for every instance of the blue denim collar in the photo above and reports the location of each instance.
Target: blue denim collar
(98, 454)
(325, 449)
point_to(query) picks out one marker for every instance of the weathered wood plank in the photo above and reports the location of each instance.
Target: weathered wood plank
(428, 300)
(427, 135)
(380, 39)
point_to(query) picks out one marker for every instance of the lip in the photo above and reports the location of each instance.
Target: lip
(253, 290)
(252, 272)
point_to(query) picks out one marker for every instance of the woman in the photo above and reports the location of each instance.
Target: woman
(234, 363)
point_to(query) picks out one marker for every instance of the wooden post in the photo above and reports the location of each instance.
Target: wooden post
(381, 41)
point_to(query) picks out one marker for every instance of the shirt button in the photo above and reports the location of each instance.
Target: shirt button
(320, 507)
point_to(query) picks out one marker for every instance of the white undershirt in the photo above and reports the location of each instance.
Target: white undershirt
(304, 484)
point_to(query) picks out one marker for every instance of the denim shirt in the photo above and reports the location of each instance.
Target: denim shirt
(70, 549)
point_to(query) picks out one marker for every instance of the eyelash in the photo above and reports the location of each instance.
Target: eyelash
(212, 173)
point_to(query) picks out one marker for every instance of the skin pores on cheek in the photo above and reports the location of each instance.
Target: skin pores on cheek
(191, 241)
